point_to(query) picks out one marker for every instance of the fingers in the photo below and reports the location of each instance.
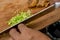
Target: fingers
(27, 34)
(14, 34)
(25, 31)
(22, 28)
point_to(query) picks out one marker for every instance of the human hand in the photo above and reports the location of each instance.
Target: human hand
(27, 34)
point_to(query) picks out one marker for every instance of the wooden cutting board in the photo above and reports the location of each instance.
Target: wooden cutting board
(8, 9)
(40, 22)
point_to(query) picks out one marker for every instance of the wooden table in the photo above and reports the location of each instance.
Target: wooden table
(40, 22)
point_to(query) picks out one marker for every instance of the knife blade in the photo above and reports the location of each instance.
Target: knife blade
(24, 21)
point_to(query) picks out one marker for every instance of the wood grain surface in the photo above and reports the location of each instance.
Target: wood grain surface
(8, 9)
(39, 23)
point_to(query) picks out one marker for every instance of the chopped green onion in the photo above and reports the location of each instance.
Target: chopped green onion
(19, 17)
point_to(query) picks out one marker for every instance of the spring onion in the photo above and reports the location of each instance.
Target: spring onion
(19, 17)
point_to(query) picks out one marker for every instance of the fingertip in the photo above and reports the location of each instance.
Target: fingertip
(22, 27)
(14, 33)
(11, 31)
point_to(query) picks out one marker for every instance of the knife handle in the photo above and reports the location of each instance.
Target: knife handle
(57, 5)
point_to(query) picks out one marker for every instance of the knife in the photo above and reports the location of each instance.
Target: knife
(25, 21)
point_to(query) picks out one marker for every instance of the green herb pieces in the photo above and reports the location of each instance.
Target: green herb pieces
(21, 16)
